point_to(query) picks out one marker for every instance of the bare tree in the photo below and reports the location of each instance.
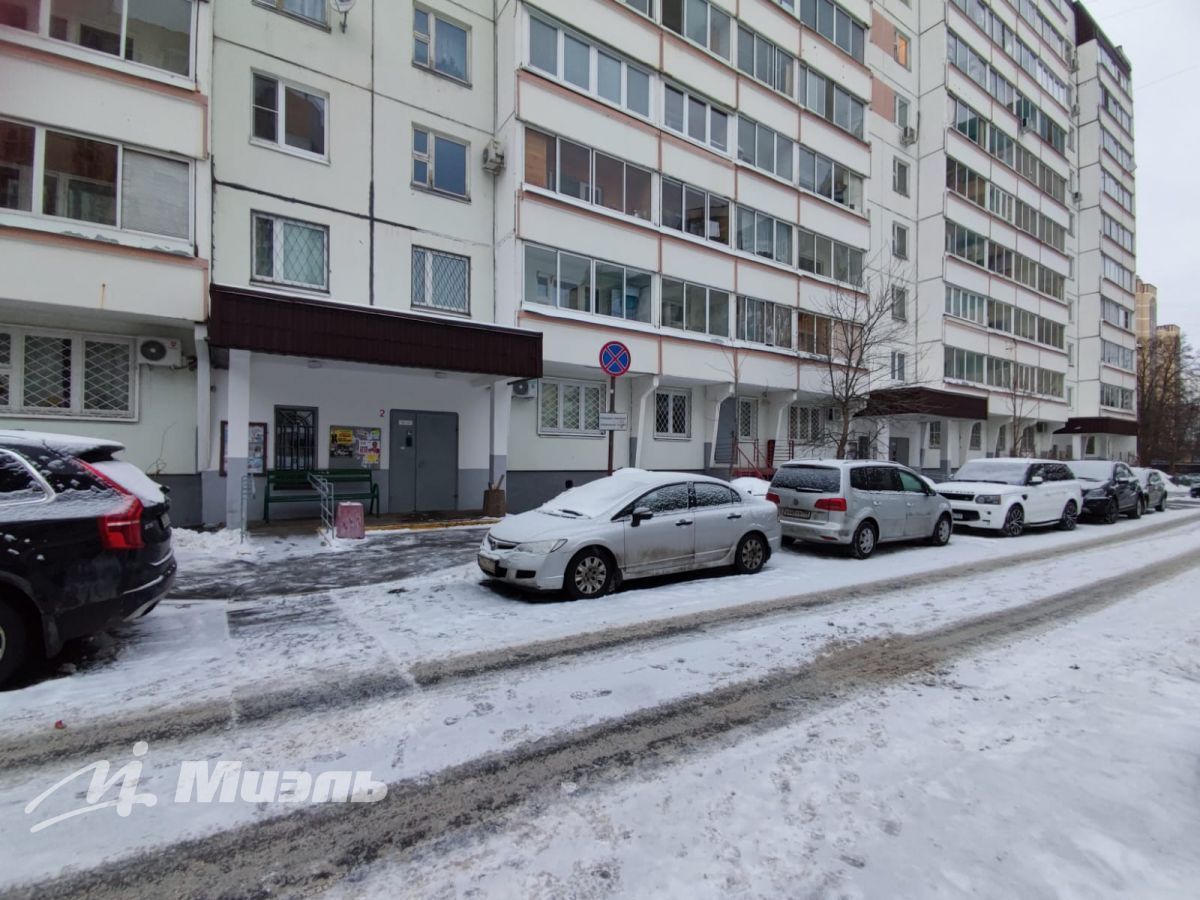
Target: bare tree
(1168, 401)
(1022, 406)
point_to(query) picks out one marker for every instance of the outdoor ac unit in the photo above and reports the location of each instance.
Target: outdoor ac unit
(908, 135)
(1077, 197)
(1075, 111)
(493, 157)
(159, 352)
(1025, 125)
(1074, 61)
(524, 390)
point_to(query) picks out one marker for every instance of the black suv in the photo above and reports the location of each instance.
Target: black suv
(84, 541)
(1110, 490)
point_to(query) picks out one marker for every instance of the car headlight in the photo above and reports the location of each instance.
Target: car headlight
(541, 548)
(1096, 493)
(988, 499)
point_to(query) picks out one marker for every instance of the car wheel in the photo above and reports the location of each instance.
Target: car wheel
(590, 573)
(751, 554)
(1162, 504)
(1112, 512)
(1014, 521)
(942, 531)
(1070, 517)
(864, 541)
(14, 642)
(1139, 507)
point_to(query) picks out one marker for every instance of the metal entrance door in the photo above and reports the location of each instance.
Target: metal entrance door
(898, 451)
(423, 475)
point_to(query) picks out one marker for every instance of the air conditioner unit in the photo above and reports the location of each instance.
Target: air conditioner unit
(493, 157)
(1026, 125)
(908, 135)
(1075, 111)
(1077, 197)
(1074, 61)
(524, 390)
(159, 352)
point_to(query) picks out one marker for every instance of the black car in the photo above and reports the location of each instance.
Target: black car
(1110, 490)
(85, 541)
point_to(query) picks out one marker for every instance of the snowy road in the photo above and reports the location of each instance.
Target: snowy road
(505, 734)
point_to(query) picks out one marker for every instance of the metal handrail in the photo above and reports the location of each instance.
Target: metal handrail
(248, 491)
(324, 488)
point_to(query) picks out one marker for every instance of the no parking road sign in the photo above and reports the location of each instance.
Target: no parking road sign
(615, 358)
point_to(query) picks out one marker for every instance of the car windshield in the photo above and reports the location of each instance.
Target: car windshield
(808, 479)
(1092, 470)
(594, 498)
(993, 471)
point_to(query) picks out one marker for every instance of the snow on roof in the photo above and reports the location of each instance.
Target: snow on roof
(597, 497)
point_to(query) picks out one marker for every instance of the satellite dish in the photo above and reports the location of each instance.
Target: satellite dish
(342, 7)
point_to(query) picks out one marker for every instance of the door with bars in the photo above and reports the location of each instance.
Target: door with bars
(295, 437)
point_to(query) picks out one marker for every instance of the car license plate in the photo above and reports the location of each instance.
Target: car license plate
(797, 514)
(487, 564)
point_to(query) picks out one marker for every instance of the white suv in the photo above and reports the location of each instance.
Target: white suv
(1009, 495)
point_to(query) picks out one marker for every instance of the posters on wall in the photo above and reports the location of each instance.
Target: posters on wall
(352, 445)
(256, 455)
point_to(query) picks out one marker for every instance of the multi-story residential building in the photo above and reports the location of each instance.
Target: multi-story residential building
(1146, 311)
(104, 224)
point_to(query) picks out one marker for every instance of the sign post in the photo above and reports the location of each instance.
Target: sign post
(615, 359)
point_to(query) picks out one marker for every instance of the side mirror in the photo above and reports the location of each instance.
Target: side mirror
(1036, 480)
(640, 515)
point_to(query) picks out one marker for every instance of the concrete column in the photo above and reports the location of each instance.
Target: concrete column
(501, 414)
(203, 401)
(641, 415)
(778, 403)
(237, 413)
(714, 396)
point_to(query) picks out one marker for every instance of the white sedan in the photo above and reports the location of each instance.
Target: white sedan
(632, 524)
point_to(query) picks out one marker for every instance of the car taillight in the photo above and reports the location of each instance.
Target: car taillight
(773, 498)
(120, 530)
(832, 504)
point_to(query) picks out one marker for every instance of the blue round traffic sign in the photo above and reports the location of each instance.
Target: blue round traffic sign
(615, 358)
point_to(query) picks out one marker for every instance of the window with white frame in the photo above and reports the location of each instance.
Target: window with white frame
(579, 283)
(289, 115)
(899, 241)
(764, 148)
(764, 61)
(599, 71)
(440, 163)
(806, 424)
(672, 414)
(310, 10)
(902, 49)
(976, 440)
(44, 373)
(764, 235)
(577, 171)
(763, 322)
(700, 22)
(900, 176)
(830, 179)
(441, 45)
(156, 34)
(902, 107)
(645, 7)
(88, 180)
(746, 415)
(695, 117)
(695, 211)
(899, 303)
(693, 307)
(899, 366)
(441, 281)
(287, 251)
(935, 435)
(569, 407)
(834, 24)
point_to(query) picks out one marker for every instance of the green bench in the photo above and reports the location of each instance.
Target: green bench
(293, 486)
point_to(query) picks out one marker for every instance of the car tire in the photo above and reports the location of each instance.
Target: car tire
(1139, 508)
(591, 573)
(1070, 517)
(865, 540)
(1112, 512)
(14, 642)
(942, 531)
(751, 555)
(1014, 521)
(1162, 504)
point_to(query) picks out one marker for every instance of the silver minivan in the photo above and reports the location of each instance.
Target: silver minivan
(860, 503)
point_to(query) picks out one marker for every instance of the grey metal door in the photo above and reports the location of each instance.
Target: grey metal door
(423, 470)
(898, 450)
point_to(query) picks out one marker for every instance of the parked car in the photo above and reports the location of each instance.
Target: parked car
(1012, 494)
(87, 543)
(1110, 490)
(1154, 487)
(858, 503)
(632, 524)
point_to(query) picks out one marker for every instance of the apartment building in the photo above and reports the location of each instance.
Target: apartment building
(104, 224)
(1145, 310)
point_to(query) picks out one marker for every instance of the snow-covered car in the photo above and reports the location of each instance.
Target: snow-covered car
(1110, 490)
(1154, 487)
(1012, 494)
(632, 524)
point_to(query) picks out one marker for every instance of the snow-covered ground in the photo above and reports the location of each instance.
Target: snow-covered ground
(1060, 766)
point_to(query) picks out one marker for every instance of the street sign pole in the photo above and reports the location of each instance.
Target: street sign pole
(615, 360)
(612, 407)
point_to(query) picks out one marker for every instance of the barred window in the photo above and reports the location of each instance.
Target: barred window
(746, 414)
(569, 407)
(672, 414)
(290, 252)
(441, 281)
(67, 375)
(806, 424)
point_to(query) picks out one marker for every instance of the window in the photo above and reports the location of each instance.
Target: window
(806, 425)
(902, 108)
(672, 414)
(78, 179)
(311, 10)
(696, 118)
(695, 211)
(289, 115)
(764, 61)
(568, 281)
(900, 177)
(62, 374)
(645, 7)
(1116, 397)
(710, 495)
(827, 257)
(441, 281)
(572, 59)
(295, 438)
(760, 146)
(569, 407)
(1113, 229)
(667, 499)
(935, 435)
(901, 51)
(975, 248)
(1117, 273)
(699, 22)
(441, 45)
(18, 484)
(834, 24)
(761, 322)
(154, 33)
(1116, 355)
(746, 419)
(695, 308)
(763, 235)
(899, 241)
(828, 100)
(439, 163)
(813, 333)
(976, 440)
(1113, 187)
(830, 179)
(1115, 314)
(899, 364)
(586, 174)
(290, 252)
(899, 303)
